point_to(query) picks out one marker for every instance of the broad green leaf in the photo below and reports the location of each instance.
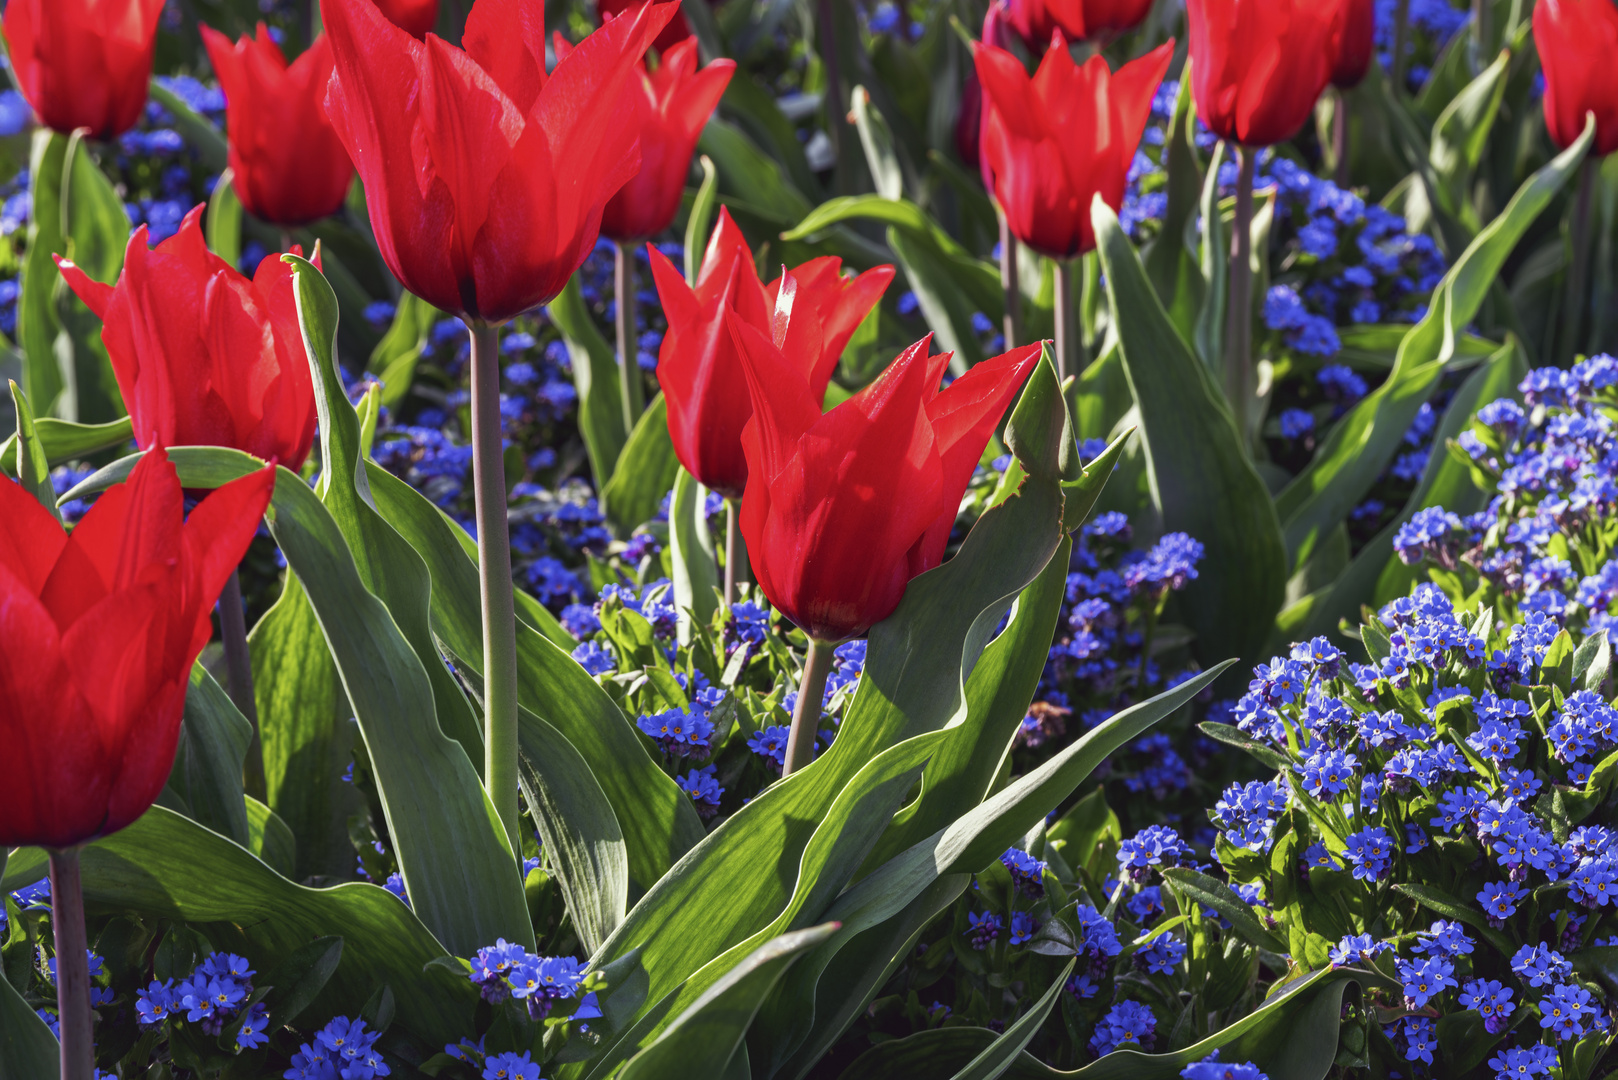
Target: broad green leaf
(702, 1040)
(25, 456)
(1199, 888)
(394, 358)
(1462, 132)
(28, 1050)
(944, 303)
(691, 547)
(37, 323)
(1361, 444)
(208, 141)
(1233, 736)
(999, 1055)
(747, 172)
(595, 375)
(64, 440)
(876, 138)
(1376, 345)
(95, 229)
(271, 840)
(1198, 471)
(1171, 262)
(305, 731)
(744, 873)
(208, 765)
(1592, 661)
(749, 102)
(166, 866)
(224, 220)
(657, 819)
(298, 980)
(1214, 256)
(644, 472)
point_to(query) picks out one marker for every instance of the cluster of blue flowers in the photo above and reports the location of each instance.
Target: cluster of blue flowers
(1211, 1068)
(216, 992)
(1430, 24)
(507, 972)
(342, 1049)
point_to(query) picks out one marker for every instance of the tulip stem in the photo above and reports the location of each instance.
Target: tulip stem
(735, 552)
(1066, 333)
(72, 967)
(1339, 138)
(1239, 317)
(494, 580)
(1577, 289)
(629, 384)
(239, 670)
(806, 713)
(1011, 325)
(1401, 41)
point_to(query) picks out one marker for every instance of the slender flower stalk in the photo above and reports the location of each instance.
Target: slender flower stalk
(1578, 299)
(1066, 332)
(1339, 139)
(629, 383)
(1401, 41)
(806, 713)
(735, 552)
(1012, 324)
(494, 580)
(239, 669)
(73, 965)
(1239, 318)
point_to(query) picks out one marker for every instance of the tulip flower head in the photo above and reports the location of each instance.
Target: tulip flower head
(698, 365)
(414, 17)
(675, 102)
(288, 164)
(1053, 142)
(1258, 66)
(205, 356)
(83, 63)
(485, 177)
(1353, 43)
(677, 30)
(100, 629)
(843, 508)
(1035, 21)
(1577, 42)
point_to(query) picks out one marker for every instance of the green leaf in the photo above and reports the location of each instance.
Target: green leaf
(96, 230)
(657, 818)
(702, 1040)
(305, 731)
(747, 172)
(224, 220)
(700, 219)
(1232, 736)
(394, 358)
(1592, 661)
(166, 866)
(691, 547)
(25, 455)
(271, 840)
(1201, 889)
(208, 141)
(1362, 443)
(1442, 903)
(999, 1055)
(1171, 263)
(208, 764)
(37, 324)
(298, 980)
(595, 375)
(64, 440)
(1209, 335)
(876, 138)
(28, 1050)
(644, 472)
(1199, 473)
(1461, 134)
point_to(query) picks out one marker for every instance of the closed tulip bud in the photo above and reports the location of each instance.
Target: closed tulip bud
(698, 365)
(1054, 142)
(99, 628)
(288, 164)
(485, 176)
(1035, 21)
(1353, 43)
(675, 101)
(1577, 42)
(1258, 66)
(414, 17)
(83, 63)
(843, 508)
(203, 355)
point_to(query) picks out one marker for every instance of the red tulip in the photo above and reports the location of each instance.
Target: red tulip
(1054, 142)
(842, 509)
(677, 30)
(289, 166)
(485, 177)
(1353, 43)
(99, 628)
(1257, 66)
(83, 63)
(1081, 20)
(1578, 41)
(203, 355)
(698, 367)
(676, 101)
(414, 17)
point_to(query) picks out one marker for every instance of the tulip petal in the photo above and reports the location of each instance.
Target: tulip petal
(506, 38)
(31, 539)
(784, 408)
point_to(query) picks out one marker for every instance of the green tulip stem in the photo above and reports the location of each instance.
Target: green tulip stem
(239, 671)
(1578, 298)
(806, 713)
(629, 382)
(1012, 323)
(494, 580)
(735, 552)
(1339, 138)
(72, 967)
(1480, 35)
(1239, 318)
(1401, 41)
(1067, 332)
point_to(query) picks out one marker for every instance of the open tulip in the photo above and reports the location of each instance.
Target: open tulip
(699, 367)
(843, 508)
(205, 356)
(1353, 43)
(1035, 21)
(1577, 42)
(99, 628)
(83, 63)
(485, 177)
(414, 17)
(288, 164)
(1258, 66)
(675, 102)
(1055, 141)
